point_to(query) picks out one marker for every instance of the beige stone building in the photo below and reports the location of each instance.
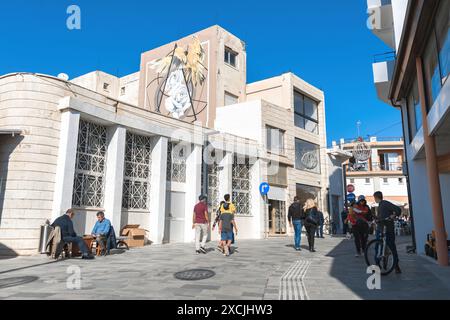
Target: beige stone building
(136, 146)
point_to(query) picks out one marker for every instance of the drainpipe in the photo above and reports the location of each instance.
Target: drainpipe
(433, 173)
(408, 184)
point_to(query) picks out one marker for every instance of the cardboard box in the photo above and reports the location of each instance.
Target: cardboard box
(135, 236)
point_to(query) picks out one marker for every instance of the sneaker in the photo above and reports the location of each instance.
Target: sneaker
(398, 270)
(226, 251)
(198, 251)
(203, 250)
(298, 249)
(88, 257)
(312, 250)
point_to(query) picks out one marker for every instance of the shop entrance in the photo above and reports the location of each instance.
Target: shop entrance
(174, 222)
(277, 217)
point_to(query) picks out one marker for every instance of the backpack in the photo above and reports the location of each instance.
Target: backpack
(226, 206)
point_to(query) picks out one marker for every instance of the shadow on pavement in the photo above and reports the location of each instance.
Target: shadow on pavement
(16, 281)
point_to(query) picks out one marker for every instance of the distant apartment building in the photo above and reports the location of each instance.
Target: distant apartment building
(413, 78)
(383, 171)
(139, 147)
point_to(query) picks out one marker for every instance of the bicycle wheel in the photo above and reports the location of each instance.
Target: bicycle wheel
(374, 257)
(122, 245)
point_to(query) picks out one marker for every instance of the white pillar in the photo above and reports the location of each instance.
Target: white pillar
(193, 189)
(258, 205)
(226, 175)
(158, 190)
(115, 161)
(65, 170)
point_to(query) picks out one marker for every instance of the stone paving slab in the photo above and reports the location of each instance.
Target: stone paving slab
(252, 273)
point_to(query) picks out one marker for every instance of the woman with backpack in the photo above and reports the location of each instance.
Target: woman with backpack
(311, 222)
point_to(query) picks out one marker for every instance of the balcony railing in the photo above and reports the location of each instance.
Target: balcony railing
(366, 167)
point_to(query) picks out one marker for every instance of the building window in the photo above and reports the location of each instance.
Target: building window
(176, 162)
(106, 86)
(307, 156)
(305, 192)
(89, 183)
(231, 57)
(367, 180)
(385, 181)
(400, 181)
(241, 196)
(230, 99)
(122, 91)
(437, 54)
(306, 113)
(275, 140)
(390, 162)
(136, 182)
(352, 180)
(414, 111)
(213, 186)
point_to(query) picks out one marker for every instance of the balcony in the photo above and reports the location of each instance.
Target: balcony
(381, 20)
(383, 69)
(394, 167)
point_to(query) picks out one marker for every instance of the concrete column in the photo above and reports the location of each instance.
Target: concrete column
(226, 175)
(258, 206)
(433, 174)
(193, 189)
(158, 190)
(65, 170)
(115, 161)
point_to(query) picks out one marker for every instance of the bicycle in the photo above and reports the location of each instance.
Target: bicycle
(379, 254)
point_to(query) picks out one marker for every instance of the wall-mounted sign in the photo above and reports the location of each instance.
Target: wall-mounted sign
(264, 188)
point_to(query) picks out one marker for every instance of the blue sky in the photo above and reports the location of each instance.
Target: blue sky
(324, 42)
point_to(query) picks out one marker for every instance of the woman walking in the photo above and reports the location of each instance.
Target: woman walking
(358, 217)
(311, 222)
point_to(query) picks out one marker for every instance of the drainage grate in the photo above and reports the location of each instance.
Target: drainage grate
(195, 274)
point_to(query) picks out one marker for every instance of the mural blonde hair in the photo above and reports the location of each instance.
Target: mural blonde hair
(310, 203)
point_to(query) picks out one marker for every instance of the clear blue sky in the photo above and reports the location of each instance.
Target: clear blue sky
(324, 42)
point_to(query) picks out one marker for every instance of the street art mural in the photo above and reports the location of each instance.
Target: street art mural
(177, 84)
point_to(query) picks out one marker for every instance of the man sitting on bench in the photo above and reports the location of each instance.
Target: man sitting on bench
(101, 230)
(68, 234)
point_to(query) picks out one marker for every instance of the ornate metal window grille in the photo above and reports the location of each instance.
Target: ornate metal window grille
(241, 185)
(137, 172)
(213, 186)
(88, 190)
(176, 163)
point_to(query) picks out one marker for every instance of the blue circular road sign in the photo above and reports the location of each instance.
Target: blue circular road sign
(264, 188)
(351, 197)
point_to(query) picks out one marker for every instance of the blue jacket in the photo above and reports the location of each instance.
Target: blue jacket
(102, 227)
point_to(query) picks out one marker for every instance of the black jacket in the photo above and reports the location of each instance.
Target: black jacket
(312, 217)
(66, 226)
(295, 212)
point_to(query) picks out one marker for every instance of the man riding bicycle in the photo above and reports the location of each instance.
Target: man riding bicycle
(387, 212)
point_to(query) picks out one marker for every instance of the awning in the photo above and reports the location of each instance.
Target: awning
(10, 133)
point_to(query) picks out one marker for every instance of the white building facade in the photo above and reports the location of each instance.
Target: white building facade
(414, 79)
(135, 147)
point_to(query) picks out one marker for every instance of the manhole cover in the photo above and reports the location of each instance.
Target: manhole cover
(195, 274)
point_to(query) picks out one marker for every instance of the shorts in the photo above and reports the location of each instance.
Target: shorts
(226, 235)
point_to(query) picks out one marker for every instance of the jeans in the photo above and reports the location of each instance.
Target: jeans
(361, 234)
(199, 229)
(297, 232)
(390, 242)
(319, 232)
(79, 242)
(310, 232)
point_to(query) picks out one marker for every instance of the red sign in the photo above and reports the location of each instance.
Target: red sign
(350, 188)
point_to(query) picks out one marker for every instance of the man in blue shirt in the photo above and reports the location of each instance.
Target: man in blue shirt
(101, 229)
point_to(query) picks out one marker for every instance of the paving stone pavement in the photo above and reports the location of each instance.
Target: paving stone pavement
(254, 272)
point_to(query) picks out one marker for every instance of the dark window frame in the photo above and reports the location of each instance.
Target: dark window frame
(303, 115)
(228, 53)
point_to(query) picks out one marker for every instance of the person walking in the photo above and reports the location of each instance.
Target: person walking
(360, 226)
(311, 222)
(387, 212)
(216, 223)
(226, 224)
(319, 231)
(344, 215)
(295, 217)
(200, 222)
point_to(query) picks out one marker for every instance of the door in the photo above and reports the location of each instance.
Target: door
(277, 217)
(174, 222)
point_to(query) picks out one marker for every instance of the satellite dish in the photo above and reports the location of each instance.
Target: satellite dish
(63, 76)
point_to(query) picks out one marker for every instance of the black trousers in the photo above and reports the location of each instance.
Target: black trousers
(361, 235)
(310, 233)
